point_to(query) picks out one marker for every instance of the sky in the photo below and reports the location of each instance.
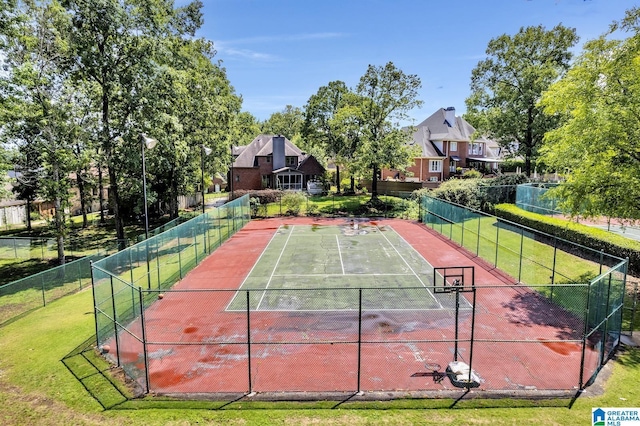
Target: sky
(280, 52)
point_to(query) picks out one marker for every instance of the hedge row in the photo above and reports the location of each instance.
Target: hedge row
(594, 238)
(265, 196)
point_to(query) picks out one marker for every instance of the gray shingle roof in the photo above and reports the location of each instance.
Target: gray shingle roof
(262, 146)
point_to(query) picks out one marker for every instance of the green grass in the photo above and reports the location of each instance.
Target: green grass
(348, 205)
(37, 387)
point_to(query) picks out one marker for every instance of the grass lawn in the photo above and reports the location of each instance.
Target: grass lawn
(37, 387)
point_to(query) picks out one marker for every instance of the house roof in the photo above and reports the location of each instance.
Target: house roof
(262, 146)
(443, 125)
(440, 129)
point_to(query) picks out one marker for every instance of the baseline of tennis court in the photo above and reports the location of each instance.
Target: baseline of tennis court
(326, 305)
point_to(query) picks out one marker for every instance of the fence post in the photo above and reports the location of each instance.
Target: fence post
(44, 299)
(359, 335)
(497, 241)
(95, 306)
(195, 243)
(633, 305)
(144, 341)
(115, 321)
(478, 242)
(249, 340)
(179, 254)
(521, 254)
(584, 336)
(158, 258)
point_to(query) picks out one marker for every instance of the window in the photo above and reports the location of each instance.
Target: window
(291, 161)
(237, 178)
(435, 165)
(268, 158)
(453, 146)
(475, 149)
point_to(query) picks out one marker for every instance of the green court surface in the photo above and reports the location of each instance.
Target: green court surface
(320, 268)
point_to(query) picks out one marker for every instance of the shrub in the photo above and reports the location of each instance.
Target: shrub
(292, 202)
(460, 191)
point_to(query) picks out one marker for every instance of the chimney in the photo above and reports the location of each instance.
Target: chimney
(450, 116)
(278, 152)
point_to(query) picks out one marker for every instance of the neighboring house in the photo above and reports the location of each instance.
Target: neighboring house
(447, 149)
(273, 162)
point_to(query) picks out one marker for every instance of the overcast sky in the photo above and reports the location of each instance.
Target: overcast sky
(279, 52)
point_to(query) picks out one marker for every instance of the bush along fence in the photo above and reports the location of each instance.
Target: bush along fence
(157, 264)
(534, 258)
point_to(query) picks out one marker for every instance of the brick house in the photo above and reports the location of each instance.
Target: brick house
(272, 161)
(447, 148)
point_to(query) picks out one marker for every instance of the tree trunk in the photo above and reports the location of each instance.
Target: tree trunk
(81, 190)
(353, 185)
(59, 217)
(338, 179)
(28, 214)
(374, 184)
(173, 206)
(100, 194)
(113, 178)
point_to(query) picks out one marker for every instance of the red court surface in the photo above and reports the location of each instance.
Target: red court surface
(195, 346)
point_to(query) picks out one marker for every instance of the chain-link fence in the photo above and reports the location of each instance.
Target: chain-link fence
(533, 197)
(551, 332)
(35, 291)
(513, 338)
(157, 264)
(531, 257)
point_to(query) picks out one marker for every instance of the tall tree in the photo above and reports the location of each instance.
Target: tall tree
(320, 124)
(599, 141)
(116, 43)
(42, 103)
(193, 105)
(506, 87)
(387, 95)
(287, 123)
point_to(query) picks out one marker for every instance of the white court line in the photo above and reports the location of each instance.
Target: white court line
(253, 267)
(264, 292)
(340, 254)
(407, 263)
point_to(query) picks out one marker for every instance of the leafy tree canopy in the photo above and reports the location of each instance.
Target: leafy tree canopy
(507, 85)
(599, 141)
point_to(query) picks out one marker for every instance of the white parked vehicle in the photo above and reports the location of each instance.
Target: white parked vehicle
(315, 187)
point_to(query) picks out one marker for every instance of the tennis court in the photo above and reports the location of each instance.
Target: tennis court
(303, 265)
(337, 305)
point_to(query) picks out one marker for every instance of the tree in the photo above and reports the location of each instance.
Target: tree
(41, 104)
(386, 96)
(287, 123)
(201, 112)
(506, 87)
(321, 126)
(599, 140)
(246, 128)
(115, 44)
